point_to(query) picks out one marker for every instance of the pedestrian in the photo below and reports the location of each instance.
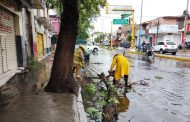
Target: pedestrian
(121, 70)
(143, 44)
(143, 47)
(78, 62)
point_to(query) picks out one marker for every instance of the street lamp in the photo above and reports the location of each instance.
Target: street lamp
(140, 24)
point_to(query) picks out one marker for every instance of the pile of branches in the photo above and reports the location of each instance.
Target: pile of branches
(101, 100)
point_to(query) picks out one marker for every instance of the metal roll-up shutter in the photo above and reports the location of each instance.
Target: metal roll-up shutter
(8, 58)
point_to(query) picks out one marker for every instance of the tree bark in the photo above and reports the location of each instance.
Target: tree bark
(61, 79)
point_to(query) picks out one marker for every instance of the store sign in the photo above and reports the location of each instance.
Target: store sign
(9, 4)
(5, 28)
(4, 18)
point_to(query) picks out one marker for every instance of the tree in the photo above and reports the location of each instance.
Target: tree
(61, 79)
(100, 36)
(129, 38)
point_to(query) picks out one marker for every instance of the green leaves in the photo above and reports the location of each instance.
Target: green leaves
(88, 10)
(90, 89)
(100, 36)
(93, 113)
(34, 64)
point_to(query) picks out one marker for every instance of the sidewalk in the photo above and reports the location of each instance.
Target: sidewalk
(20, 101)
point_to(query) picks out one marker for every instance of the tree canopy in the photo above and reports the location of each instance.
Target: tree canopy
(88, 11)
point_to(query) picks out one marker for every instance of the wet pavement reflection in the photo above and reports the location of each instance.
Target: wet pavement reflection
(166, 95)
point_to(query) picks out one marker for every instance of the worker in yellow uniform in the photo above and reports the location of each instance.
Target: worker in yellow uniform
(122, 68)
(78, 62)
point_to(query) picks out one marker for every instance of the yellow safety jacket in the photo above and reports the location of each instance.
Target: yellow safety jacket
(78, 58)
(122, 66)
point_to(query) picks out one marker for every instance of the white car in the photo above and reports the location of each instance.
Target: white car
(92, 47)
(165, 47)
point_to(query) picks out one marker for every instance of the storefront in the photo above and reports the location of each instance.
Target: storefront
(8, 55)
(40, 47)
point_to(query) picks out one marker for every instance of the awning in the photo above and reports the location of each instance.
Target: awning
(45, 22)
(81, 41)
(38, 4)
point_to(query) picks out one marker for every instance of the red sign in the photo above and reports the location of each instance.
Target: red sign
(187, 27)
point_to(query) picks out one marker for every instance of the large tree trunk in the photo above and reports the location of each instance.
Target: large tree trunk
(61, 79)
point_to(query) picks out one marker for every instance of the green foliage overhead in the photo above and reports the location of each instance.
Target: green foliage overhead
(88, 10)
(129, 38)
(100, 36)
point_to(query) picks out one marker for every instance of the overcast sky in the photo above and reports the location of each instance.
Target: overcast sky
(151, 9)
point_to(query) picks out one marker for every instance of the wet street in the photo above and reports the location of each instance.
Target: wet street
(166, 95)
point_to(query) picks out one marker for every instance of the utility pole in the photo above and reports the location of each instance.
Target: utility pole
(185, 24)
(140, 24)
(111, 37)
(133, 31)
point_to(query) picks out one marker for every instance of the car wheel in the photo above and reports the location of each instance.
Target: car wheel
(95, 50)
(161, 51)
(174, 53)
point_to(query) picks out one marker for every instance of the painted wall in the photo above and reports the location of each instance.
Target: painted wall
(176, 38)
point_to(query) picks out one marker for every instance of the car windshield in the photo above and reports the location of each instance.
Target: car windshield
(170, 43)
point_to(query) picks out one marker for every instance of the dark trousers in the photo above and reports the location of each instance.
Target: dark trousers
(125, 79)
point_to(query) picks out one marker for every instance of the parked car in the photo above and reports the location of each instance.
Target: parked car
(165, 47)
(186, 45)
(92, 47)
(106, 43)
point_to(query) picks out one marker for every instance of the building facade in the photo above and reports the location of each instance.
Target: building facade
(56, 23)
(25, 31)
(163, 28)
(9, 33)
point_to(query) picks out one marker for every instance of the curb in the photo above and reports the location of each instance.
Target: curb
(4, 78)
(184, 50)
(81, 113)
(173, 57)
(163, 56)
(133, 52)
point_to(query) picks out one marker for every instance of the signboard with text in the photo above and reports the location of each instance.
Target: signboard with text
(119, 9)
(120, 21)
